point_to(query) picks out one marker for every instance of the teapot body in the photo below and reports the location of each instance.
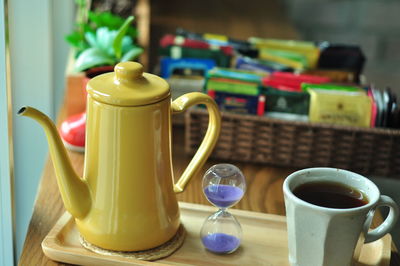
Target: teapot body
(128, 169)
(126, 200)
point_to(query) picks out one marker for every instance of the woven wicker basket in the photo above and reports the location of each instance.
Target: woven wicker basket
(257, 139)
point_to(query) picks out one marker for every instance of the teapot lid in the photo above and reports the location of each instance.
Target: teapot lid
(128, 85)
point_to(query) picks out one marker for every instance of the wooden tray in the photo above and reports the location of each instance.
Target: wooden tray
(264, 243)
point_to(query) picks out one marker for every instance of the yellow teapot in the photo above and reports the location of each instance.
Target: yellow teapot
(126, 200)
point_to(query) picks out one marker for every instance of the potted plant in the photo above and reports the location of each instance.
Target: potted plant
(104, 48)
(107, 47)
(90, 21)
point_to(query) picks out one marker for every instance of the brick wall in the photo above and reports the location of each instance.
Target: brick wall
(372, 24)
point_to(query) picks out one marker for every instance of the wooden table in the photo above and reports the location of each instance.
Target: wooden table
(264, 189)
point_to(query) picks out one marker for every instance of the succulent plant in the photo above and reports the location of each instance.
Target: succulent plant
(108, 47)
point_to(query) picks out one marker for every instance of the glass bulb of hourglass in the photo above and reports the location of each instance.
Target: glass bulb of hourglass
(221, 232)
(224, 185)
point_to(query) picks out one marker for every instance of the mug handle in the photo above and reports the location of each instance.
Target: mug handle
(210, 139)
(386, 225)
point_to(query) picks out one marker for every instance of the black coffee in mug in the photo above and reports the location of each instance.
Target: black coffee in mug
(331, 195)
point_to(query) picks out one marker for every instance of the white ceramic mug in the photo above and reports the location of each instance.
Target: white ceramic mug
(320, 236)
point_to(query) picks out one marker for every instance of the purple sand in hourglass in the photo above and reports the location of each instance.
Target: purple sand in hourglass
(223, 195)
(220, 242)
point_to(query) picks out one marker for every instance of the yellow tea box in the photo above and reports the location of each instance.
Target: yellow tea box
(340, 107)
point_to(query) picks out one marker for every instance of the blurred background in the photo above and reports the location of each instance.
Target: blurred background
(35, 57)
(373, 25)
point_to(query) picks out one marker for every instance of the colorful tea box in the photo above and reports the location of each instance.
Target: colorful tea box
(169, 65)
(172, 40)
(352, 108)
(296, 54)
(257, 65)
(177, 52)
(235, 90)
(339, 104)
(286, 101)
(374, 107)
(290, 81)
(239, 103)
(290, 59)
(339, 76)
(234, 81)
(240, 46)
(332, 87)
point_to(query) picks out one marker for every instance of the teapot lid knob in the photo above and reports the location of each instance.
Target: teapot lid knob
(128, 85)
(128, 71)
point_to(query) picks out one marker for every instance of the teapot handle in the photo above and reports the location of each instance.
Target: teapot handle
(210, 139)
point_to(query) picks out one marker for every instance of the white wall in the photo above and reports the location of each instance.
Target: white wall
(38, 59)
(63, 17)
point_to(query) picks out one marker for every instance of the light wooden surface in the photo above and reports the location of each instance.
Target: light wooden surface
(264, 242)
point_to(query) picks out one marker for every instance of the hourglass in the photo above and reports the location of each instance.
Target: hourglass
(224, 186)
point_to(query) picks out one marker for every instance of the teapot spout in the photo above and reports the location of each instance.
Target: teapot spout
(74, 190)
